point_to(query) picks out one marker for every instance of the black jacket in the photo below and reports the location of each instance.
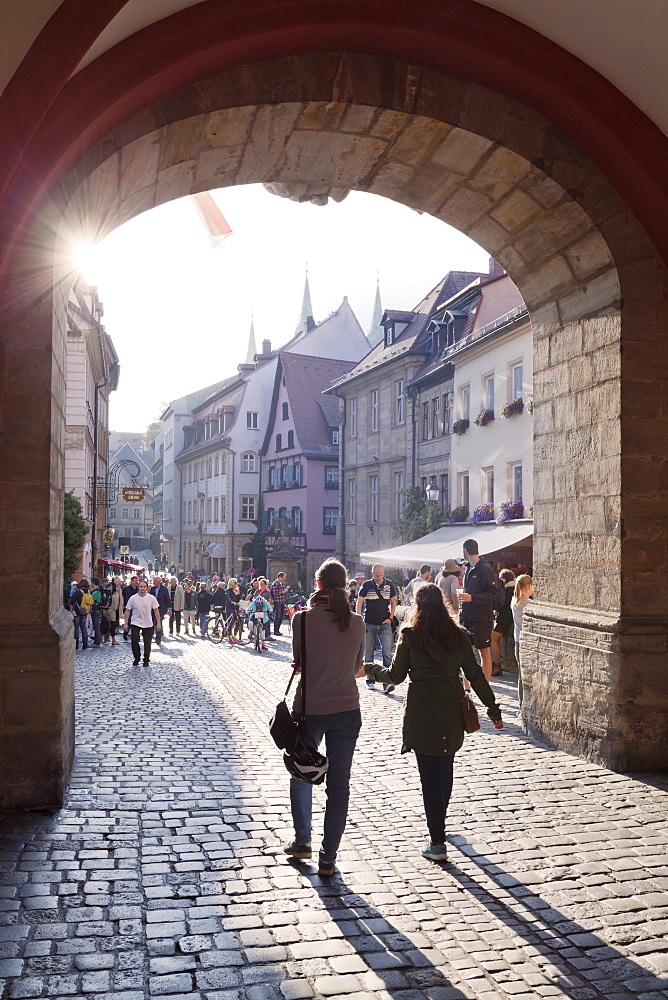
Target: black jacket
(204, 602)
(505, 615)
(129, 592)
(482, 583)
(161, 595)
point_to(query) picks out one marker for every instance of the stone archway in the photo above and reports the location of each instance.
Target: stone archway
(596, 290)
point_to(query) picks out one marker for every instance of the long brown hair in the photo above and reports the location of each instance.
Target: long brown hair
(334, 578)
(430, 619)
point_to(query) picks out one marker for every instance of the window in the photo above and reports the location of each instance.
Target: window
(136, 513)
(373, 410)
(248, 462)
(516, 380)
(297, 520)
(136, 532)
(291, 439)
(398, 494)
(125, 513)
(465, 402)
(269, 518)
(331, 477)
(487, 485)
(112, 513)
(445, 491)
(435, 408)
(399, 401)
(202, 470)
(286, 411)
(184, 512)
(425, 421)
(247, 508)
(279, 442)
(190, 511)
(447, 412)
(209, 469)
(352, 501)
(215, 509)
(352, 416)
(330, 516)
(216, 466)
(208, 509)
(516, 480)
(335, 436)
(223, 508)
(223, 465)
(488, 392)
(373, 497)
(464, 489)
(251, 420)
(297, 472)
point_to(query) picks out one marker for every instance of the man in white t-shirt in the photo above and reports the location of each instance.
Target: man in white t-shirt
(141, 613)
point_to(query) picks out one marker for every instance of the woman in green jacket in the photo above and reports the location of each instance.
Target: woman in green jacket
(432, 649)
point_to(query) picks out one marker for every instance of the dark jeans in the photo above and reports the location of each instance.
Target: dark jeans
(95, 618)
(436, 781)
(279, 612)
(147, 635)
(340, 730)
(175, 617)
(80, 628)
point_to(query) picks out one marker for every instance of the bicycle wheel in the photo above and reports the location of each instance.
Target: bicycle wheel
(217, 629)
(258, 632)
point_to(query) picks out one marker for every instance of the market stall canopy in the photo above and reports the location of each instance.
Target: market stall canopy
(446, 543)
(209, 549)
(218, 551)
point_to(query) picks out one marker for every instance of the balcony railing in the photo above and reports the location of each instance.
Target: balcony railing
(294, 484)
(331, 486)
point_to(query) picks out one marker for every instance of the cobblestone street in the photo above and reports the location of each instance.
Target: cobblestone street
(164, 876)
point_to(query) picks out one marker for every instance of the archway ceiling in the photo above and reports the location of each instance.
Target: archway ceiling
(608, 35)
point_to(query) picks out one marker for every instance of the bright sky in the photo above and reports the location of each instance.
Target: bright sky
(179, 311)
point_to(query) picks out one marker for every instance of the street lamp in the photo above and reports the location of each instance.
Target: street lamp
(432, 491)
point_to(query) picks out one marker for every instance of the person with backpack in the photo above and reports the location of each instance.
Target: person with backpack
(483, 595)
(80, 603)
(259, 603)
(115, 608)
(99, 602)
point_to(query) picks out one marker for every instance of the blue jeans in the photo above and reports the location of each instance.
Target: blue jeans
(436, 781)
(203, 619)
(340, 730)
(382, 633)
(80, 627)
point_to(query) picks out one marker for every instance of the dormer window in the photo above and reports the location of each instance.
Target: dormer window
(389, 334)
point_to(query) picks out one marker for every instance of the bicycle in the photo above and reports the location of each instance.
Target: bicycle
(217, 626)
(258, 630)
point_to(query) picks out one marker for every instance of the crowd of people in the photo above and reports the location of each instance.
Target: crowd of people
(444, 636)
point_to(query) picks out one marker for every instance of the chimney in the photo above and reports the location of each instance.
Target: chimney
(266, 347)
(495, 269)
(310, 323)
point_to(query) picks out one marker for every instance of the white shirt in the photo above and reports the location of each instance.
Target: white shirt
(141, 610)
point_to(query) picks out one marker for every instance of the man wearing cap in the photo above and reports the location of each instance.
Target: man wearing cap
(422, 576)
(448, 580)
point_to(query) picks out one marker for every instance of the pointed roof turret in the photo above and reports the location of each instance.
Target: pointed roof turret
(252, 348)
(306, 321)
(376, 332)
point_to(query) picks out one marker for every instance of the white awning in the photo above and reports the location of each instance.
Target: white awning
(209, 549)
(218, 551)
(446, 543)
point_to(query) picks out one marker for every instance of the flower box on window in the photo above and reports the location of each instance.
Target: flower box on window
(484, 512)
(513, 408)
(459, 514)
(329, 529)
(510, 510)
(294, 483)
(484, 417)
(461, 426)
(331, 486)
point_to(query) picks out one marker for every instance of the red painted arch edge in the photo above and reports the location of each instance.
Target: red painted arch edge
(462, 39)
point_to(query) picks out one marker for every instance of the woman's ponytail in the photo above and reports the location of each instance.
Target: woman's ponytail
(333, 577)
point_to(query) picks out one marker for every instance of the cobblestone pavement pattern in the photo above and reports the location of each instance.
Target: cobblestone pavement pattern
(163, 875)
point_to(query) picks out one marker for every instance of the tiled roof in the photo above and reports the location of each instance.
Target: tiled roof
(410, 338)
(314, 414)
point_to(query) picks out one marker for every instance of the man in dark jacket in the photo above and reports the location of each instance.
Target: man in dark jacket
(161, 595)
(480, 599)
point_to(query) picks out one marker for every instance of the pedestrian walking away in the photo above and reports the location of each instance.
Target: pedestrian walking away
(142, 615)
(376, 602)
(504, 625)
(334, 639)
(481, 598)
(176, 605)
(96, 611)
(79, 609)
(189, 607)
(521, 597)
(279, 589)
(203, 608)
(448, 579)
(162, 596)
(431, 651)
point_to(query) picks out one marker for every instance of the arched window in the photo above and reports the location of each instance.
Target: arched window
(202, 470)
(279, 442)
(291, 439)
(216, 466)
(210, 469)
(285, 411)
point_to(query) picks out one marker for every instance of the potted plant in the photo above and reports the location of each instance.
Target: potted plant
(484, 417)
(510, 510)
(484, 512)
(329, 529)
(513, 408)
(459, 514)
(461, 426)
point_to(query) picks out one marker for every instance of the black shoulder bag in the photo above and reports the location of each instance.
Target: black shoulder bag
(394, 621)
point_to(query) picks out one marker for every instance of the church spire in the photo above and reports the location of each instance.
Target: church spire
(252, 349)
(376, 332)
(306, 321)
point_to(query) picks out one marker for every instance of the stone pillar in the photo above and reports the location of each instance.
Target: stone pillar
(36, 633)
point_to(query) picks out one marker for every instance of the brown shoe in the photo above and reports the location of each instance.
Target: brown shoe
(496, 670)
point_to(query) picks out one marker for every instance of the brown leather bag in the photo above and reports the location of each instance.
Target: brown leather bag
(469, 711)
